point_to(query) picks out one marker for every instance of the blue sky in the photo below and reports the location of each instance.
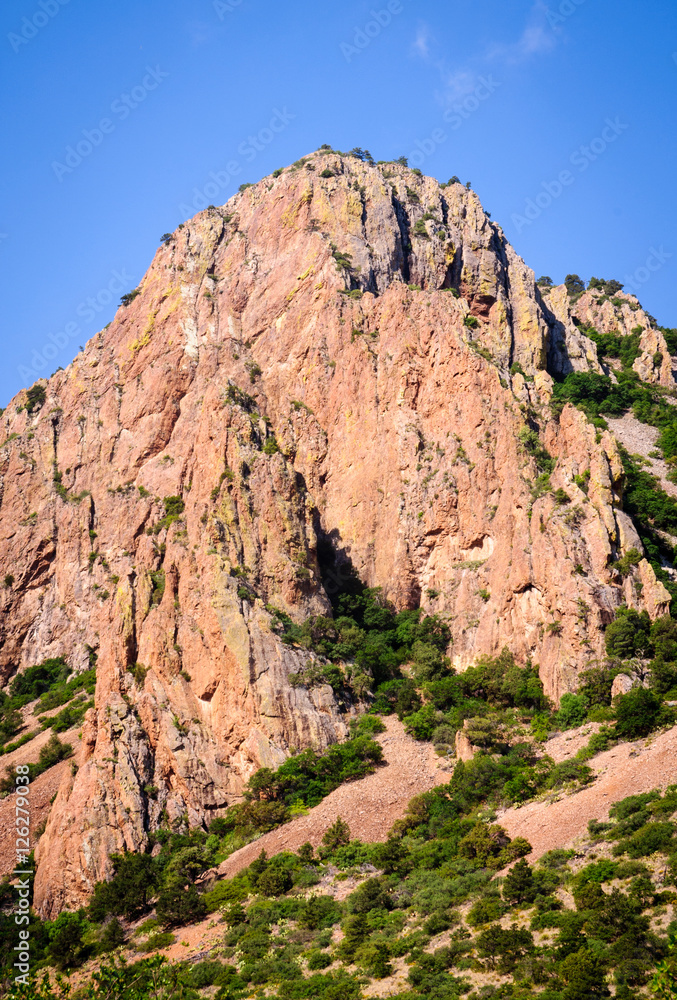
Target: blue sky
(562, 116)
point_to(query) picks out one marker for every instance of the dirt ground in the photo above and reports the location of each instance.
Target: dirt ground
(370, 806)
(624, 770)
(640, 439)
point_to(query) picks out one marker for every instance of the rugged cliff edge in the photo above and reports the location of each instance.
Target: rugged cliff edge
(355, 364)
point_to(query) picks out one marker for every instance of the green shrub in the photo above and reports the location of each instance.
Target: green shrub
(422, 724)
(519, 886)
(318, 960)
(66, 934)
(572, 712)
(274, 882)
(336, 836)
(649, 838)
(111, 937)
(628, 634)
(35, 398)
(637, 713)
(179, 904)
(598, 742)
(129, 297)
(127, 893)
(485, 911)
(161, 939)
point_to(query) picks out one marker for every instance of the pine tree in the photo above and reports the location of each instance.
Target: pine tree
(519, 886)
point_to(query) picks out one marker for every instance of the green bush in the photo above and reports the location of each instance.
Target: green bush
(39, 679)
(161, 939)
(35, 398)
(174, 507)
(66, 947)
(336, 836)
(637, 713)
(422, 724)
(179, 904)
(485, 911)
(573, 709)
(274, 882)
(628, 634)
(649, 838)
(310, 776)
(112, 936)
(318, 960)
(129, 297)
(127, 893)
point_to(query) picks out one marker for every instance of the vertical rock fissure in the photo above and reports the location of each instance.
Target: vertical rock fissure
(404, 226)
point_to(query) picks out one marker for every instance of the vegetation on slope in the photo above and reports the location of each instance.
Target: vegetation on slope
(432, 894)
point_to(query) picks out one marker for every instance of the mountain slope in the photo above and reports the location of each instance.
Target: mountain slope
(332, 374)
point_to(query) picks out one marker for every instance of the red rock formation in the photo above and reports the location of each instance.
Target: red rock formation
(405, 420)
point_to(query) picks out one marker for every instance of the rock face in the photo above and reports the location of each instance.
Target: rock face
(621, 314)
(354, 364)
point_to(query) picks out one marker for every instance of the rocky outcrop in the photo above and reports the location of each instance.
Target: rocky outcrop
(569, 349)
(330, 372)
(572, 351)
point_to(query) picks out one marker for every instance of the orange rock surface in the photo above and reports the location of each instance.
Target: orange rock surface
(296, 368)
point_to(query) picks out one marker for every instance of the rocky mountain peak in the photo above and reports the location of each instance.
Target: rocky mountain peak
(345, 370)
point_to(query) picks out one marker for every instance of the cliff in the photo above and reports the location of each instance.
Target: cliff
(345, 366)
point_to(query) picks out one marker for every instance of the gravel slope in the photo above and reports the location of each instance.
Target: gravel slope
(370, 806)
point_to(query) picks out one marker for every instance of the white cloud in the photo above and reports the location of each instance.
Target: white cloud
(458, 84)
(421, 44)
(534, 40)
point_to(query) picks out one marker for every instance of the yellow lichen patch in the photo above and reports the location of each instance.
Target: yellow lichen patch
(307, 196)
(173, 309)
(354, 204)
(150, 325)
(143, 341)
(123, 599)
(289, 217)
(305, 274)
(319, 285)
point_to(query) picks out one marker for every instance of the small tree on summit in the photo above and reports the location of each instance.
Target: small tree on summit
(574, 284)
